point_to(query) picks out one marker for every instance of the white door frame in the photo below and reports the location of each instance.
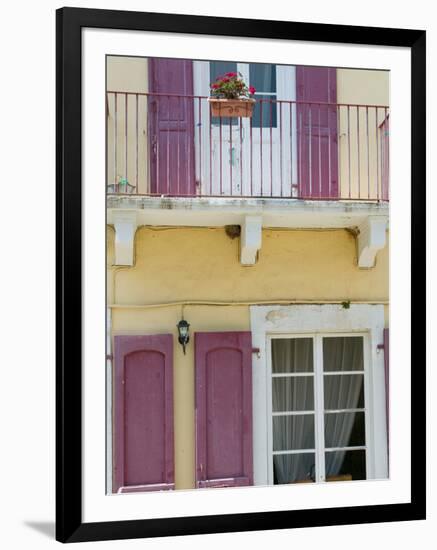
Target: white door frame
(292, 321)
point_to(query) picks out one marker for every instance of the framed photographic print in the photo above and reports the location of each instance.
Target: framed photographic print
(241, 274)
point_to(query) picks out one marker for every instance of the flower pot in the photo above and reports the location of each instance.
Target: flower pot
(231, 107)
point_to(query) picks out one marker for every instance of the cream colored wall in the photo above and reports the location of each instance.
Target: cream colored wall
(363, 87)
(127, 74)
(202, 264)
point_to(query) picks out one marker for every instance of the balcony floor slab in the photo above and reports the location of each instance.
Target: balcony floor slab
(220, 211)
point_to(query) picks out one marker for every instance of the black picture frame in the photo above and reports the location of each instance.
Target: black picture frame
(69, 525)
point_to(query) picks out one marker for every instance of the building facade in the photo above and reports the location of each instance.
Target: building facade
(269, 237)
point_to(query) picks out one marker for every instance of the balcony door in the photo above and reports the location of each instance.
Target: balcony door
(248, 156)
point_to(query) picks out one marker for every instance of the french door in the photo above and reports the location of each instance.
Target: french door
(248, 156)
(319, 429)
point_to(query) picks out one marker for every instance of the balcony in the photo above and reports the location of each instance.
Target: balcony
(293, 164)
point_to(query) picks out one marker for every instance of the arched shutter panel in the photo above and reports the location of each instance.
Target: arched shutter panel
(223, 409)
(317, 132)
(171, 127)
(143, 413)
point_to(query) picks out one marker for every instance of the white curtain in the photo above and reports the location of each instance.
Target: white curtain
(293, 394)
(296, 432)
(341, 392)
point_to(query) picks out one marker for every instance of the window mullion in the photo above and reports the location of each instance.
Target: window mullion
(319, 406)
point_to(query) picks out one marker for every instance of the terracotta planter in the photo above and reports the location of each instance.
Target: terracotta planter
(231, 107)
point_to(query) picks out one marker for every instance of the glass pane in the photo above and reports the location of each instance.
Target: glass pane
(293, 394)
(296, 468)
(344, 391)
(292, 433)
(344, 429)
(343, 353)
(345, 465)
(292, 355)
(220, 68)
(263, 77)
(264, 112)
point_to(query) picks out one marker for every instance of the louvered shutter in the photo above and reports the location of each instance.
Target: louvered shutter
(317, 142)
(171, 126)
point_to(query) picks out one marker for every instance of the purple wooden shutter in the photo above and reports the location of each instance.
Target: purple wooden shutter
(317, 132)
(143, 413)
(171, 127)
(387, 377)
(223, 409)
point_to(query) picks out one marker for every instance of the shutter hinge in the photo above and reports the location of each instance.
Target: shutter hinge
(257, 351)
(109, 357)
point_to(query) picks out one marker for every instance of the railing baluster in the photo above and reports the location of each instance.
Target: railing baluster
(231, 158)
(210, 151)
(291, 149)
(241, 155)
(377, 155)
(168, 145)
(115, 142)
(339, 166)
(136, 142)
(310, 152)
(320, 157)
(190, 169)
(279, 126)
(271, 148)
(157, 141)
(200, 146)
(299, 168)
(329, 113)
(349, 147)
(367, 147)
(251, 156)
(221, 156)
(178, 152)
(358, 153)
(387, 154)
(125, 140)
(261, 143)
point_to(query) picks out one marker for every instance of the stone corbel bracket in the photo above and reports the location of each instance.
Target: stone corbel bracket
(250, 242)
(125, 225)
(371, 238)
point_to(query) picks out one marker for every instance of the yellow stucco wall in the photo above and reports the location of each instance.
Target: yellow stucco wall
(202, 264)
(127, 74)
(359, 137)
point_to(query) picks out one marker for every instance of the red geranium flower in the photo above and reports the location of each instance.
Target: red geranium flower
(225, 80)
(252, 90)
(231, 74)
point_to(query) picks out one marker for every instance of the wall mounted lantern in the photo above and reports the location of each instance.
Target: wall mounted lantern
(183, 330)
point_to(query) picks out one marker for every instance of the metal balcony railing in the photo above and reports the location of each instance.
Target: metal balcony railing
(171, 145)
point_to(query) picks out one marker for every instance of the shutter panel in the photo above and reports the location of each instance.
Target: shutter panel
(317, 132)
(171, 124)
(143, 413)
(387, 377)
(223, 409)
